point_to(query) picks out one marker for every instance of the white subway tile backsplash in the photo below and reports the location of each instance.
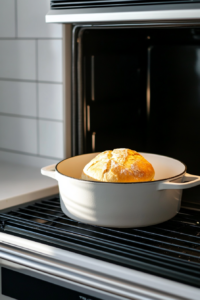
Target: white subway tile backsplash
(7, 18)
(26, 160)
(50, 60)
(18, 98)
(30, 55)
(50, 101)
(18, 134)
(51, 139)
(18, 59)
(31, 20)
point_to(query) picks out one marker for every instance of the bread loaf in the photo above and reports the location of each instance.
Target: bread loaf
(119, 165)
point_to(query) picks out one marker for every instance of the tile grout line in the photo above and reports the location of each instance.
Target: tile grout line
(16, 20)
(27, 153)
(29, 117)
(26, 38)
(27, 80)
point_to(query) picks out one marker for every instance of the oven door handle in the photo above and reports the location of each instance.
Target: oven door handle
(192, 180)
(49, 171)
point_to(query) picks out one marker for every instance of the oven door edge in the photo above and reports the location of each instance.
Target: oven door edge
(90, 272)
(13, 276)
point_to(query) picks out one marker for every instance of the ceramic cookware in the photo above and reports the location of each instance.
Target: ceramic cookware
(121, 204)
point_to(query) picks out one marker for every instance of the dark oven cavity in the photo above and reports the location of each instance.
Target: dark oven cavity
(137, 88)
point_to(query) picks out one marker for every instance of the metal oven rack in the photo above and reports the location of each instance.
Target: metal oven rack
(170, 249)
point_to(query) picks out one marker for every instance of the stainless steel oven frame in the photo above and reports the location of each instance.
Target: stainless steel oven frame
(86, 275)
(137, 13)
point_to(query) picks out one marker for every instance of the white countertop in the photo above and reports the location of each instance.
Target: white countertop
(20, 184)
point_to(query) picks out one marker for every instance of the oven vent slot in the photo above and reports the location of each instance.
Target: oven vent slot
(63, 4)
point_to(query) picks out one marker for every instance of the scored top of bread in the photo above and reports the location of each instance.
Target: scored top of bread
(119, 165)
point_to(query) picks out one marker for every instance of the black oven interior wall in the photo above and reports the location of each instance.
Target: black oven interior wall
(139, 88)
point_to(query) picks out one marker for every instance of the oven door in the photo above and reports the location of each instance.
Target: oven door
(31, 270)
(22, 283)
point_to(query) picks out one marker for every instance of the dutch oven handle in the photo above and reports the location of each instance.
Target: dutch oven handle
(49, 171)
(193, 180)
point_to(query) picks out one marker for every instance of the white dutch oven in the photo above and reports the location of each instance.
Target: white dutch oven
(121, 204)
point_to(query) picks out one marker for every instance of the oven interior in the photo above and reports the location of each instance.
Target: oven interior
(138, 88)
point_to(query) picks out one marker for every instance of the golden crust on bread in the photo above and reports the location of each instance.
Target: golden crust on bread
(119, 165)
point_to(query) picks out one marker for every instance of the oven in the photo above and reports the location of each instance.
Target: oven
(132, 76)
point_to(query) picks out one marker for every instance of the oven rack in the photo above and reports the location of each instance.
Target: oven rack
(170, 249)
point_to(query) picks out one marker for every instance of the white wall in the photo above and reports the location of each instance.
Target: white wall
(31, 101)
